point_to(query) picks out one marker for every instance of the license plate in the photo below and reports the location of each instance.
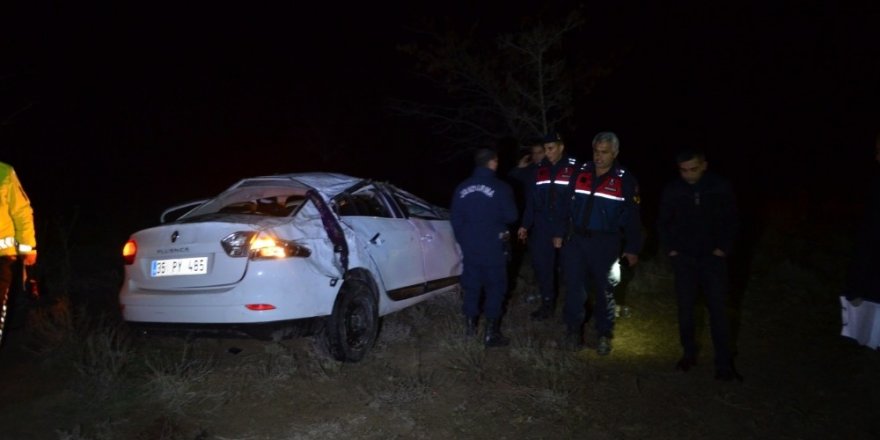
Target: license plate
(179, 266)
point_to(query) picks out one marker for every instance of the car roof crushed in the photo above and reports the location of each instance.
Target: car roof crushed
(328, 184)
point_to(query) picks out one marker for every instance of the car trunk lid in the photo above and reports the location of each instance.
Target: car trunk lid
(187, 256)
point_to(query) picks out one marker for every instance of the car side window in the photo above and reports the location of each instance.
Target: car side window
(344, 206)
(363, 203)
(417, 208)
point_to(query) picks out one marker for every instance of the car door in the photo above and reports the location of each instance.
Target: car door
(391, 242)
(441, 255)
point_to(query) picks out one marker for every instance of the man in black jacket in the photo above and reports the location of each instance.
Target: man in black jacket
(697, 226)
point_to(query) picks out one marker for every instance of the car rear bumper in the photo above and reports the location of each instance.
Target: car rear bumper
(264, 330)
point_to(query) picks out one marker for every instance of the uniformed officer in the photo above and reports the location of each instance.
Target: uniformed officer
(603, 212)
(482, 208)
(522, 178)
(543, 218)
(524, 171)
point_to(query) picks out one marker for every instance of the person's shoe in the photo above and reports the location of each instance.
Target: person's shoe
(686, 363)
(545, 311)
(727, 375)
(494, 337)
(532, 298)
(573, 340)
(591, 339)
(604, 347)
(724, 375)
(471, 325)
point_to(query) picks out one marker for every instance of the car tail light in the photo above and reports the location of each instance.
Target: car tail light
(237, 244)
(259, 307)
(129, 251)
(260, 245)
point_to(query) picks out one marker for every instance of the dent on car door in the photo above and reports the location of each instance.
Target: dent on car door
(392, 243)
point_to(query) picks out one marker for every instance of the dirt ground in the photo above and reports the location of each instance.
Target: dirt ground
(423, 380)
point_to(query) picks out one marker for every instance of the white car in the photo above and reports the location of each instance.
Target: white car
(276, 253)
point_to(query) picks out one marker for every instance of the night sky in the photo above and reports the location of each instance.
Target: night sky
(120, 111)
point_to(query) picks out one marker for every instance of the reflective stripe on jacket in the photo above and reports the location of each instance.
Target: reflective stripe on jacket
(545, 203)
(614, 208)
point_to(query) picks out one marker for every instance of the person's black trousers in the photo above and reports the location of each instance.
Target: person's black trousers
(709, 275)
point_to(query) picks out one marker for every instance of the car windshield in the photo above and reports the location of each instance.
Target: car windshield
(260, 201)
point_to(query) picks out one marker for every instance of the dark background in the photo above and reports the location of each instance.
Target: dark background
(111, 113)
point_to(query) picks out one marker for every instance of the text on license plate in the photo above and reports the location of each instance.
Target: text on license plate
(179, 266)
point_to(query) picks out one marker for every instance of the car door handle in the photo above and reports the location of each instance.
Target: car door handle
(375, 239)
(428, 237)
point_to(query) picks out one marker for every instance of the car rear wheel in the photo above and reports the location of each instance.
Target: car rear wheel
(351, 329)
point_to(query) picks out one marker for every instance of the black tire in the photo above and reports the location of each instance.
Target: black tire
(351, 329)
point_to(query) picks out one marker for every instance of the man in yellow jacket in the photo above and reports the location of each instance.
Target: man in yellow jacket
(17, 237)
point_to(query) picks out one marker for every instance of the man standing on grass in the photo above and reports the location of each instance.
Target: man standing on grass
(523, 179)
(603, 227)
(697, 226)
(482, 208)
(543, 218)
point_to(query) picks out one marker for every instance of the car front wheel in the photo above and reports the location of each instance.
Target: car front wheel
(351, 329)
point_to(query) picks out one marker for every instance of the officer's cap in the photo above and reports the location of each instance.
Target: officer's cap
(551, 137)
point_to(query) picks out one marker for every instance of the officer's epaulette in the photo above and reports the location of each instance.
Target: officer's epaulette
(572, 161)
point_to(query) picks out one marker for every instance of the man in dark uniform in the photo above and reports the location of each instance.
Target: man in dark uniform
(524, 171)
(522, 177)
(696, 226)
(603, 210)
(482, 208)
(543, 219)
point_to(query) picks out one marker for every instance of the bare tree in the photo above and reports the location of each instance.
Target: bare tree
(516, 85)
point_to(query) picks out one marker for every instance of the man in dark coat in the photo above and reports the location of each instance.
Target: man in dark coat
(524, 171)
(863, 280)
(482, 208)
(861, 294)
(697, 226)
(522, 178)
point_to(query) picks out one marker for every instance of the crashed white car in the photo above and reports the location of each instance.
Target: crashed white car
(279, 253)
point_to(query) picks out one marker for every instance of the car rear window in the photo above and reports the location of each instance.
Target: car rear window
(278, 206)
(267, 201)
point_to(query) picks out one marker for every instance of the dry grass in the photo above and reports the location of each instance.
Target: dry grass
(175, 383)
(426, 380)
